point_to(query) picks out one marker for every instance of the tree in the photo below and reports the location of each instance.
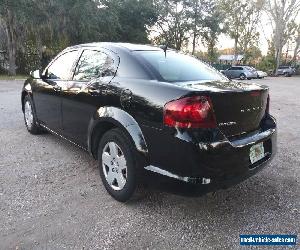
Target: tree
(8, 18)
(252, 55)
(268, 62)
(281, 13)
(172, 25)
(297, 43)
(241, 22)
(39, 28)
(212, 28)
(16, 18)
(249, 36)
(196, 11)
(133, 17)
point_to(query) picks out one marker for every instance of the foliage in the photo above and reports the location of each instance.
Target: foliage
(268, 62)
(252, 55)
(172, 24)
(49, 26)
(282, 15)
(242, 19)
(34, 31)
(212, 28)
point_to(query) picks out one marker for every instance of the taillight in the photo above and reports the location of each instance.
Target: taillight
(268, 105)
(190, 112)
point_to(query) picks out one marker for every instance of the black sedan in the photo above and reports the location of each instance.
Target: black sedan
(152, 117)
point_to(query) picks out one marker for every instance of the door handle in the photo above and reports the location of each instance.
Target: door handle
(56, 88)
(94, 91)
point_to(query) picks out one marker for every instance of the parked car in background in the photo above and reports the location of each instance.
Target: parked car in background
(286, 70)
(261, 74)
(241, 72)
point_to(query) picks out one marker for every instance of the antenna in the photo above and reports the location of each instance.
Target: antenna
(164, 48)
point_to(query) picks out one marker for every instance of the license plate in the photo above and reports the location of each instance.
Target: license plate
(257, 152)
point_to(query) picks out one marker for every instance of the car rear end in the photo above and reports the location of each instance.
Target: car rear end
(250, 72)
(216, 140)
(206, 134)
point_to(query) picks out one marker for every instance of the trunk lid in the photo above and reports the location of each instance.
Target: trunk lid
(238, 107)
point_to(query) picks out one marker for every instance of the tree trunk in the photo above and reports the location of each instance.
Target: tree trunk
(195, 28)
(194, 43)
(278, 59)
(11, 43)
(235, 51)
(12, 61)
(296, 50)
(211, 50)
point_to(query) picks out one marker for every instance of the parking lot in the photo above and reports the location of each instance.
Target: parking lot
(51, 195)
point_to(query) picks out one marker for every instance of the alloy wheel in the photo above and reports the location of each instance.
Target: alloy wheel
(242, 77)
(28, 114)
(114, 166)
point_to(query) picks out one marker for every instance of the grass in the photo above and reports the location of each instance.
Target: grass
(17, 77)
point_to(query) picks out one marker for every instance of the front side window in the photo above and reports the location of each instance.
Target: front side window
(61, 68)
(176, 67)
(93, 64)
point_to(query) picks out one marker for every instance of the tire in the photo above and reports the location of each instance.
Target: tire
(119, 170)
(242, 76)
(30, 118)
(286, 74)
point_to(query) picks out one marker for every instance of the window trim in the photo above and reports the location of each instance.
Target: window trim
(115, 59)
(45, 72)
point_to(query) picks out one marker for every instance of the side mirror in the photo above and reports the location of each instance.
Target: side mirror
(36, 74)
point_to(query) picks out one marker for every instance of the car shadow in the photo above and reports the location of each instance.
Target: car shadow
(242, 200)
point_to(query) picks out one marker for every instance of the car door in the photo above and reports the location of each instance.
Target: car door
(86, 92)
(237, 72)
(229, 72)
(47, 90)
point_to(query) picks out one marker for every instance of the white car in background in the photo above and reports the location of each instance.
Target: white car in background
(261, 74)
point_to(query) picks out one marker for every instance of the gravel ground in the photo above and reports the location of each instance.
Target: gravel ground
(51, 196)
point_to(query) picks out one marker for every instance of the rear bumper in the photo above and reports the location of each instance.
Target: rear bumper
(251, 75)
(216, 165)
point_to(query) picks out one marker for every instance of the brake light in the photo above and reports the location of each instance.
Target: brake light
(255, 93)
(190, 112)
(268, 105)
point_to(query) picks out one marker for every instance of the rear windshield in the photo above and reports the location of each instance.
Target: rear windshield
(176, 67)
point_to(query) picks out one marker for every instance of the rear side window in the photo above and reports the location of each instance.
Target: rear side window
(93, 64)
(61, 68)
(176, 67)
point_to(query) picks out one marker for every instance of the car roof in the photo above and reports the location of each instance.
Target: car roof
(117, 46)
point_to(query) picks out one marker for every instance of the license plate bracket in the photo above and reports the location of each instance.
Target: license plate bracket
(257, 152)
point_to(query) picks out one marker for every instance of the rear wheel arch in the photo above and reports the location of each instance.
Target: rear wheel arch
(242, 76)
(108, 118)
(98, 131)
